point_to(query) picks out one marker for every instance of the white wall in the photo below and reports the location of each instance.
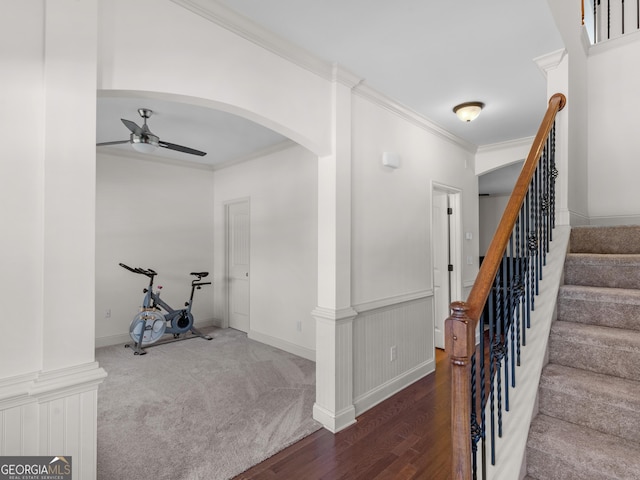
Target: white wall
(392, 208)
(190, 56)
(282, 190)
(150, 214)
(22, 96)
(601, 99)
(491, 210)
(614, 140)
(392, 287)
(567, 18)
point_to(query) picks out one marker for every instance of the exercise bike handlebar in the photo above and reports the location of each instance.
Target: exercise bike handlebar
(148, 272)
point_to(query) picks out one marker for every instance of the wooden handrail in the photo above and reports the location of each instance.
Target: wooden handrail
(460, 327)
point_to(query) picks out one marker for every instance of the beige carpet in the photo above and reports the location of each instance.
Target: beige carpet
(589, 394)
(200, 409)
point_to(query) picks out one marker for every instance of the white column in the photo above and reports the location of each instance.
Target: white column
(66, 387)
(48, 377)
(554, 66)
(334, 315)
(70, 74)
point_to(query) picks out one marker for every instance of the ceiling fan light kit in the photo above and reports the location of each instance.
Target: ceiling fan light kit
(144, 141)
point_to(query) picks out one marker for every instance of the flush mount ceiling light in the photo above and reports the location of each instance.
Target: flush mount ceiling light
(468, 111)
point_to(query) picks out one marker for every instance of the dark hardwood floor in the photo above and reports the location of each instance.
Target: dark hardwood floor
(404, 437)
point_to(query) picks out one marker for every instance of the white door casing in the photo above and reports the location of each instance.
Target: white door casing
(237, 260)
(446, 250)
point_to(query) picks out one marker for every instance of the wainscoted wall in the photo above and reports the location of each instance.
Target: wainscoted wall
(408, 326)
(52, 413)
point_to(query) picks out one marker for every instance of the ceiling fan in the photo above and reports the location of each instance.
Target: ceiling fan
(143, 140)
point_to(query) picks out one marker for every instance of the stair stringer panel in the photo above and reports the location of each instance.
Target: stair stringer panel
(511, 448)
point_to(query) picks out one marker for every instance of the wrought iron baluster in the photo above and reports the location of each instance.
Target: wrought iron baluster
(527, 252)
(512, 308)
(507, 325)
(475, 428)
(493, 300)
(544, 205)
(548, 194)
(554, 175)
(608, 19)
(533, 245)
(519, 268)
(483, 400)
(501, 350)
(540, 218)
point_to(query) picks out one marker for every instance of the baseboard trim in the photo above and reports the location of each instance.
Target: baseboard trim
(334, 423)
(283, 345)
(388, 389)
(110, 340)
(615, 220)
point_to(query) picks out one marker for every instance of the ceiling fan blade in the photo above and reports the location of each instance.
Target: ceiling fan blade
(117, 142)
(180, 148)
(132, 126)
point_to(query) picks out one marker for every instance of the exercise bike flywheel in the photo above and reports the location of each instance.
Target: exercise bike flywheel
(148, 323)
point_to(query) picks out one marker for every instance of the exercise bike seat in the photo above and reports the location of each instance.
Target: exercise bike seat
(200, 274)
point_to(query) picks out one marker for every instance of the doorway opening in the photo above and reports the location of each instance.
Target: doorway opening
(237, 235)
(446, 254)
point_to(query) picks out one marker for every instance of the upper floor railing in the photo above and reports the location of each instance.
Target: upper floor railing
(500, 302)
(607, 19)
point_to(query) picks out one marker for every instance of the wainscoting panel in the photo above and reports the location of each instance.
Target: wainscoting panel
(53, 413)
(392, 347)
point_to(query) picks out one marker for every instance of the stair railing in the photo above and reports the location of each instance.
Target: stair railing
(612, 18)
(501, 300)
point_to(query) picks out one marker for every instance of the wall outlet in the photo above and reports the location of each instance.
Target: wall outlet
(299, 325)
(107, 313)
(393, 355)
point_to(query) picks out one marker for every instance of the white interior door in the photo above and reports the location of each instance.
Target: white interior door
(441, 261)
(238, 265)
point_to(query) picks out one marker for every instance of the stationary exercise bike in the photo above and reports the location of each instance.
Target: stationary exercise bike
(151, 324)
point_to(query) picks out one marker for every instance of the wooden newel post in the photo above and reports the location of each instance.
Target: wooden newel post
(460, 345)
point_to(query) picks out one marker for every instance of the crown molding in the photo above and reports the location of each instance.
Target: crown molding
(345, 77)
(518, 143)
(262, 37)
(411, 116)
(255, 33)
(550, 61)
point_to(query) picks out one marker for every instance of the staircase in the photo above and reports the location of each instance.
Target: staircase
(588, 423)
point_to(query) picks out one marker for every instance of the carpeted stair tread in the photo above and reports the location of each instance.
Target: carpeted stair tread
(604, 270)
(613, 307)
(563, 450)
(611, 351)
(589, 392)
(602, 402)
(620, 239)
